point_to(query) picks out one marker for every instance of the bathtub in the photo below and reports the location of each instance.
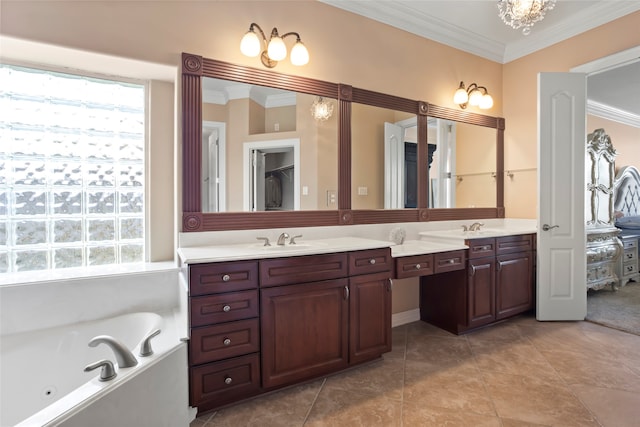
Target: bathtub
(43, 381)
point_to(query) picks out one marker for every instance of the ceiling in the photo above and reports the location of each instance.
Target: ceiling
(475, 27)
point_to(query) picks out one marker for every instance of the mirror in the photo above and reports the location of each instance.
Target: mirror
(263, 150)
(323, 180)
(461, 164)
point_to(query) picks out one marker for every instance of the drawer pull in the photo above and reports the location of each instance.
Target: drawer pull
(226, 278)
(226, 308)
(228, 380)
(226, 341)
(372, 261)
(451, 261)
(418, 266)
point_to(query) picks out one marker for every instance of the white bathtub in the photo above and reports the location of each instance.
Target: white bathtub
(43, 381)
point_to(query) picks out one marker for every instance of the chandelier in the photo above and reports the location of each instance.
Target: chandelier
(523, 13)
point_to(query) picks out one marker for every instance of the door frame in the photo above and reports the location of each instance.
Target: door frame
(222, 162)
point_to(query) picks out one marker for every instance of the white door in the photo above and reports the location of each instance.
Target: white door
(561, 275)
(393, 166)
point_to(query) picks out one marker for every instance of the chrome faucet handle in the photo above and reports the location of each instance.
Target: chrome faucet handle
(293, 239)
(465, 228)
(108, 372)
(266, 240)
(145, 347)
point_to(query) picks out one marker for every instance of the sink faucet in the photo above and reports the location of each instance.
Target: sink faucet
(475, 226)
(282, 238)
(124, 357)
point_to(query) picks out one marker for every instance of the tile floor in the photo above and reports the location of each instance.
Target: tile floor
(521, 373)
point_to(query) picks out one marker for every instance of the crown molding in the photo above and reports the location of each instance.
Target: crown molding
(614, 114)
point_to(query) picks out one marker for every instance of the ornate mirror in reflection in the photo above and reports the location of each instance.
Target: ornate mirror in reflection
(267, 149)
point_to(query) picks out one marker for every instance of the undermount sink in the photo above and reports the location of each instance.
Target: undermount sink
(288, 247)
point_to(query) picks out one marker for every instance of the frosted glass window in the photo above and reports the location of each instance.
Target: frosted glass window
(72, 170)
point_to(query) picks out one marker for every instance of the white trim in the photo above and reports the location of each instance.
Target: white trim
(614, 114)
(222, 171)
(607, 63)
(404, 317)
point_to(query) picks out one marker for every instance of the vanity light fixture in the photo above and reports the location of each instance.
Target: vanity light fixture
(275, 50)
(474, 95)
(321, 110)
(523, 13)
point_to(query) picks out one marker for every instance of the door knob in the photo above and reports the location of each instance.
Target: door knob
(548, 227)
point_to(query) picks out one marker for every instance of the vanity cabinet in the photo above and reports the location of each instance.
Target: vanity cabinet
(497, 284)
(323, 313)
(263, 324)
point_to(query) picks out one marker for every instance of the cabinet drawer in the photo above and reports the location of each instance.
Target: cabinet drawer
(449, 261)
(370, 261)
(479, 248)
(300, 269)
(222, 277)
(221, 308)
(629, 269)
(225, 381)
(412, 266)
(211, 343)
(630, 243)
(630, 255)
(511, 244)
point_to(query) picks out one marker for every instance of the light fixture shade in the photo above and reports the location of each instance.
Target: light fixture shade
(523, 13)
(250, 44)
(474, 97)
(299, 54)
(461, 96)
(321, 110)
(486, 101)
(277, 50)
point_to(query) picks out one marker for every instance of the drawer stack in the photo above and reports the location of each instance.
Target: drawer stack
(224, 349)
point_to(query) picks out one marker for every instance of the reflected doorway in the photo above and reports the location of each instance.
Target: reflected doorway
(213, 166)
(272, 175)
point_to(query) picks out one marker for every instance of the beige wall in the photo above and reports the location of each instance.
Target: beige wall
(520, 101)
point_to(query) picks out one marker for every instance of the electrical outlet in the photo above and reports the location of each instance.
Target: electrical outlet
(276, 127)
(363, 191)
(331, 197)
(305, 190)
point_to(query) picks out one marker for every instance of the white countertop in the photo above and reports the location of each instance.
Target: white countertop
(246, 251)
(421, 247)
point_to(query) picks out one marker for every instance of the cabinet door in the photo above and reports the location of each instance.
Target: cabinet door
(481, 308)
(304, 331)
(370, 316)
(514, 284)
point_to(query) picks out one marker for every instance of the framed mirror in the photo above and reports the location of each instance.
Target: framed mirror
(316, 155)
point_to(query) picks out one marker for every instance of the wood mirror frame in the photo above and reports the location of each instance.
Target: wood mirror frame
(195, 67)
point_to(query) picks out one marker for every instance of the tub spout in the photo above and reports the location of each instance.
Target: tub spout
(124, 357)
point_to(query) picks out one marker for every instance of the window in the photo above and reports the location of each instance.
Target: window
(72, 170)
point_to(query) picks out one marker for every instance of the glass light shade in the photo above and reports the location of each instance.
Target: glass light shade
(250, 44)
(474, 97)
(460, 97)
(321, 110)
(299, 54)
(486, 101)
(277, 50)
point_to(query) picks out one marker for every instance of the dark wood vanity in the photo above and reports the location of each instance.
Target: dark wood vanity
(496, 283)
(259, 325)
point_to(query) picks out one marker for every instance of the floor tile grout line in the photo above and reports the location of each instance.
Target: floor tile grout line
(482, 378)
(315, 398)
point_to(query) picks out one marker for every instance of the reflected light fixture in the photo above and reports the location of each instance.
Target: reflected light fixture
(275, 50)
(523, 13)
(321, 110)
(474, 95)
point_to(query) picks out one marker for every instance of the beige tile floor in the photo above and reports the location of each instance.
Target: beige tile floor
(521, 373)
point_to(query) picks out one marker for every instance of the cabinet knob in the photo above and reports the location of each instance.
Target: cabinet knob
(372, 261)
(451, 261)
(226, 341)
(228, 380)
(226, 278)
(418, 266)
(226, 308)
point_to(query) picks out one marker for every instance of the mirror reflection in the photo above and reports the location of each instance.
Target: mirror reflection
(462, 165)
(267, 149)
(383, 159)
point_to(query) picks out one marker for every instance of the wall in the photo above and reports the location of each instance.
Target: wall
(520, 101)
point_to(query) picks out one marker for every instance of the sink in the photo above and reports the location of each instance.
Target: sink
(459, 235)
(295, 247)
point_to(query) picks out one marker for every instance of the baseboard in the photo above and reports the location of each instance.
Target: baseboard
(405, 317)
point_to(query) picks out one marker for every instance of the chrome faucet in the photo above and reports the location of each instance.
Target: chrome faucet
(124, 357)
(282, 239)
(475, 226)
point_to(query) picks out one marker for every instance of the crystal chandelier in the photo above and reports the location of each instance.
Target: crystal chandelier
(523, 13)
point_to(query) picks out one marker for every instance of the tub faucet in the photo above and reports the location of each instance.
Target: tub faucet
(475, 226)
(282, 239)
(124, 357)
